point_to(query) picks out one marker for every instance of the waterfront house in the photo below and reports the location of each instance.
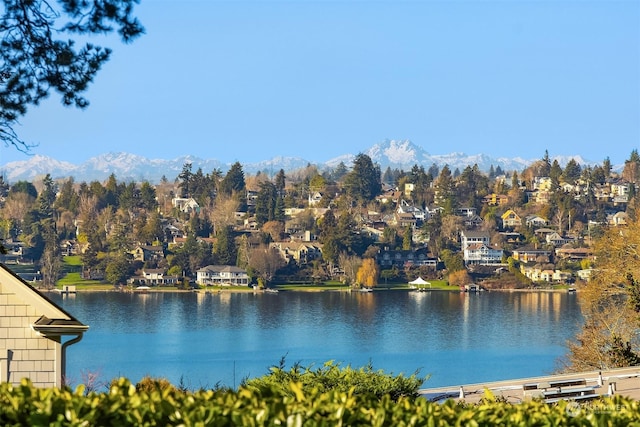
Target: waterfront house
(400, 258)
(222, 275)
(36, 334)
(155, 277)
(481, 254)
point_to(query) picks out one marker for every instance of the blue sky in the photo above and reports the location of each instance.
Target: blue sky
(248, 81)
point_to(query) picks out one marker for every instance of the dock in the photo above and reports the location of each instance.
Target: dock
(574, 386)
(68, 290)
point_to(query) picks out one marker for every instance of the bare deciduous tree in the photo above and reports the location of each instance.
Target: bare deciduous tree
(266, 261)
(223, 212)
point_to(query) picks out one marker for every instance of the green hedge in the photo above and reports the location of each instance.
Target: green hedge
(122, 405)
(332, 376)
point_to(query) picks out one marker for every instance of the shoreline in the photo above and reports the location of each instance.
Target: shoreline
(235, 289)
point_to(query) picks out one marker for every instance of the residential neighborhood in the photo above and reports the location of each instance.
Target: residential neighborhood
(530, 228)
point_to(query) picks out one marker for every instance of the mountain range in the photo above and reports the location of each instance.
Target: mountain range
(401, 154)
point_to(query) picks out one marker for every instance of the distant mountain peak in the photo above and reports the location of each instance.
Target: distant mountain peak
(395, 153)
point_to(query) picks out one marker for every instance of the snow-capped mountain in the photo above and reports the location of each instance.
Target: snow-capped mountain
(401, 154)
(405, 154)
(36, 166)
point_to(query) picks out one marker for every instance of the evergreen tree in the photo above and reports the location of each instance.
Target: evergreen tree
(572, 172)
(38, 54)
(186, 180)
(25, 187)
(363, 183)
(339, 171)
(110, 192)
(606, 167)
(148, 196)
(266, 203)
(225, 249)
(433, 171)
(631, 170)
(545, 169)
(280, 182)
(387, 177)
(68, 198)
(233, 182)
(554, 173)
(47, 198)
(445, 190)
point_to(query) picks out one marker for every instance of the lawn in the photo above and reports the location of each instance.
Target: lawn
(72, 266)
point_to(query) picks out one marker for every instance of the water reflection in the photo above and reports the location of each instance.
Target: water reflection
(457, 337)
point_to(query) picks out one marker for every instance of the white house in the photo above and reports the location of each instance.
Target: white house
(222, 275)
(482, 254)
(477, 249)
(185, 205)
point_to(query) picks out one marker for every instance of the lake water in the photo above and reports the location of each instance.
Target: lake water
(206, 339)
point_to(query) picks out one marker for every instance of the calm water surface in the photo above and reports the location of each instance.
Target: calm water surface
(209, 339)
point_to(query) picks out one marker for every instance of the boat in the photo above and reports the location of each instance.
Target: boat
(142, 289)
(365, 290)
(271, 290)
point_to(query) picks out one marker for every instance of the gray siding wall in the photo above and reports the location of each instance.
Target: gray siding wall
(23, 353)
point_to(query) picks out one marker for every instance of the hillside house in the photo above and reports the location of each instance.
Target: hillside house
(36, 334)
(618, 218)
(532, 254)
(418, 213)
(403, 220)
(146, 253)
(472, 221)
(574, 254)
(409, 188)
(222, 275)
(314, 198)
(186, 205)
(300, 252)
(556, 239)
(494, 199)
(468, 212)
(468, 237)
(69, 247)
(390, 196)
(534, 221)
(511, 219)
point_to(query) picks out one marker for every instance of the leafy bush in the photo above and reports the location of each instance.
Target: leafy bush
(331, 376)
(122, 405)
